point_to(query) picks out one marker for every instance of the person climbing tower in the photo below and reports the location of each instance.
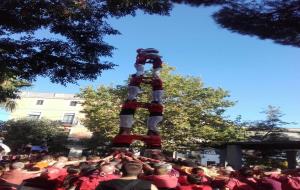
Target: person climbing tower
(152, 138)
(149, 55)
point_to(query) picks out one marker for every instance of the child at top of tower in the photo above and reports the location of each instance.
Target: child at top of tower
(147, 50)
(151, 56)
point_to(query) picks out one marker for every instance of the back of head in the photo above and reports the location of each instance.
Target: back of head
(161, 169)
(132, 168)
(17, 165)
(228, 170)
(194, 179)
(246, 172)
(198, 171)
(89, 170)
(107, 169)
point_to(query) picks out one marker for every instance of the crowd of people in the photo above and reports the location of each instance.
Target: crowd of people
(125, 171)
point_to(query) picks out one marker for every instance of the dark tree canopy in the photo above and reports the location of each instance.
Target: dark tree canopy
(79, 27)
(19, 133)
(200, 2)
(77, 57)
(268, 19)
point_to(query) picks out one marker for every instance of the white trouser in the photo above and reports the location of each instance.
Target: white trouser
(139, 69)
(133, 91)
(157, 95)
(126, 121)
(156, 72)
(153, 121)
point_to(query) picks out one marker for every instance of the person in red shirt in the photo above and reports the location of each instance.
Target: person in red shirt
(155, 117)
(234, 183)
(161, 178)
(92, 177)
(129, 180)
(141, 59)
(125, 138)
(126, 116)
(157, 89)
(134, 86)
(202, 177)
(143, 56)
(289, 182)
(51, 179)
(157, 64)
(194, 183)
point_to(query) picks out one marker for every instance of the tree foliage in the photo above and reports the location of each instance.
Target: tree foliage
(272, 126)
(193, 113)
(76, 48)
(9, 89)
(267, 19)
(18, 133)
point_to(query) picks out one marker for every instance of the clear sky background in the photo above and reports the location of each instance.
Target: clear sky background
(257, 73)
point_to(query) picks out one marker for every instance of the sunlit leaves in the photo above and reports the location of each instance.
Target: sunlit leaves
(193, 112)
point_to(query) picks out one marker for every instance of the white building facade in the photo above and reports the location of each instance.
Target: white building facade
(65, 108)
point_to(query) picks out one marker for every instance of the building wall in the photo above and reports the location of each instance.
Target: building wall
(54, 106)
(292, 134)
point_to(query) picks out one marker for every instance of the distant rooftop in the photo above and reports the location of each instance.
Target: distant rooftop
(27, 94)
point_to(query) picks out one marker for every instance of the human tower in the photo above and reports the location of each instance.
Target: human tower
(155, 107)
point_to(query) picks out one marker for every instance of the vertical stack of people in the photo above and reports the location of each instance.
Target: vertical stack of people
(155, 107)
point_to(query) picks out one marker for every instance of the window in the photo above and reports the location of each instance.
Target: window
(34, 115)
(73, 103)
(40, 102)
(68, 118)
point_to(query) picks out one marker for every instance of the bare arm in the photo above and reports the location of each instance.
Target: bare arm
(153, 187)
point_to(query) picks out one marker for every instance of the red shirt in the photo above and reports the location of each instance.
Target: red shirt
(129, 108)
(290, 183)
(154, 108)
(136, 81)
(91, 182)
(157, 63)
(194, 187)
(131, 105)
(54, 173)
(157, 84)
(141, 59)
(235, 184)
(162, 181)
(182, 180)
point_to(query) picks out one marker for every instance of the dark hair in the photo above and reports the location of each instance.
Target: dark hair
(73, 170)
(197, 170)
(194, 179)
(246, 172)
(88, 170)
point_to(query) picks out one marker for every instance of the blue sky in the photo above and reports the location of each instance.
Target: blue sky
(257, 72)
